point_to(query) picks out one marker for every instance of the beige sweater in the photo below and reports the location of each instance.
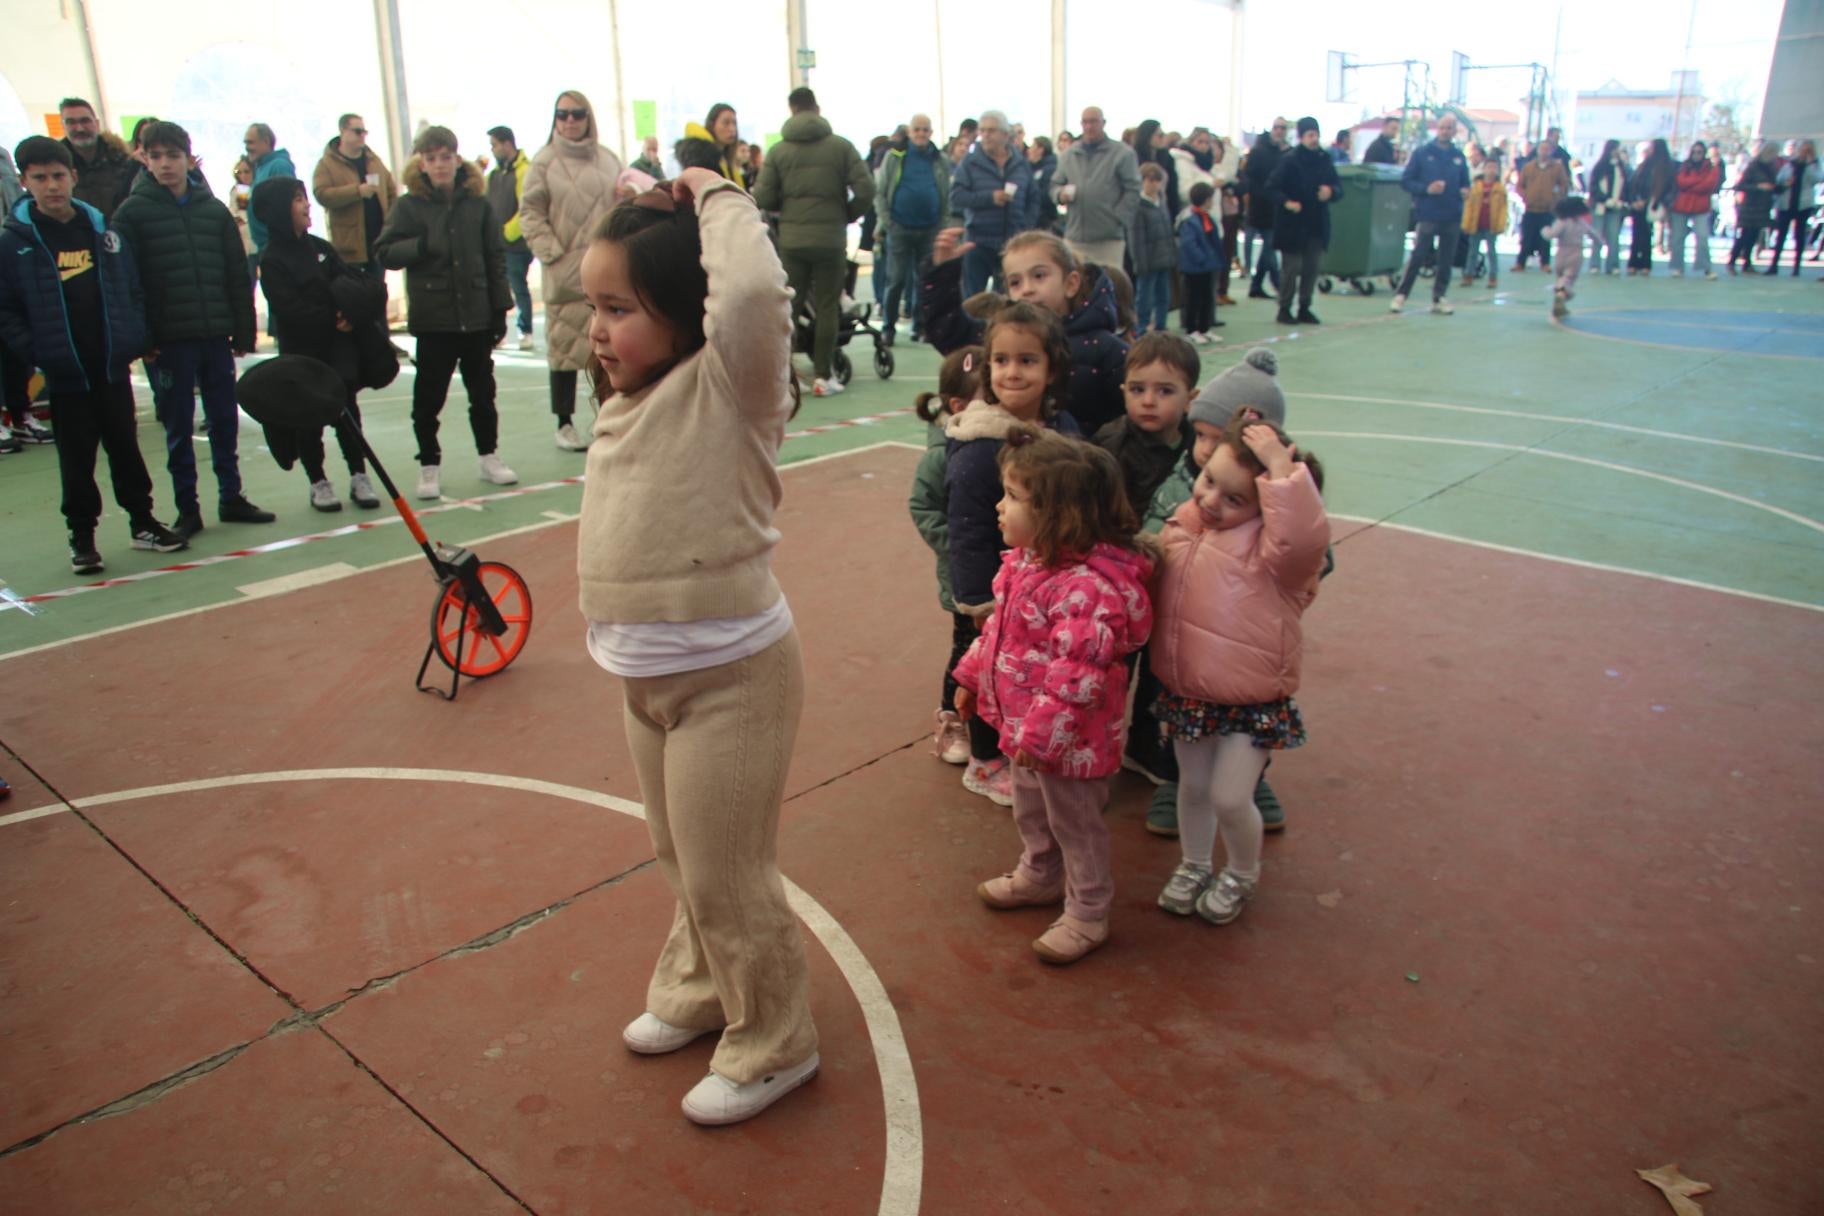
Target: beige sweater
(682, 485)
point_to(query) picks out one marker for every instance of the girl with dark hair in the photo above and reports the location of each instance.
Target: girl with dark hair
(1754, 205)
(569, 189)
(711, 145)
(1049, 673)
(1649, 193)
(1608, 181)
(1153, 146)
(690, 328)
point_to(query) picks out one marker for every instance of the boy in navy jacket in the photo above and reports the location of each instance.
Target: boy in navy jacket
(70, 305)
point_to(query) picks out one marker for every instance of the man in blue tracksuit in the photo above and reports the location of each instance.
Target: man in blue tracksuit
(1437, 177)
(994, 189)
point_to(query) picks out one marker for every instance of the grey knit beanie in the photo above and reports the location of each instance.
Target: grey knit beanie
(1252, 382)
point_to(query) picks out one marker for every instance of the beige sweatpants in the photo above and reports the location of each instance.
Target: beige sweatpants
(711, 748)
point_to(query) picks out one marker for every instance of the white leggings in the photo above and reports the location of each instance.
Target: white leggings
(1216, 779)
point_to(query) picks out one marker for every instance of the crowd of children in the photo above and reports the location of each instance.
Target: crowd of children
(1190, 519)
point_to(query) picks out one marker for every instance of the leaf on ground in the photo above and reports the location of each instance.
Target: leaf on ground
(1677, 1188)
(1330, 899)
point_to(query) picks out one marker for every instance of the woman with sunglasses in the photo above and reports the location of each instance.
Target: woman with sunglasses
(569, 189)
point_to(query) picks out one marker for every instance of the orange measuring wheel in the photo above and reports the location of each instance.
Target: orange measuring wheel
(459, 632)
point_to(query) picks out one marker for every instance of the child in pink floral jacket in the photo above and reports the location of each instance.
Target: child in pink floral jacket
(1070, 603)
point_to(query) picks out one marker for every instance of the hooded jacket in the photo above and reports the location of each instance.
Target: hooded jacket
(296, 275)
(1107, 178)
(105, 180)
(972, 487)
(1496, 194)
(1047, 669)
(1263, 159)
(720, 158)
(276, 163)
(192, 266)
(988, 223)
(337, 183)
(569, 189)
(451, 250)
(1754, 205)
(34, 323)
(505, 184)
(1296, 178)
(1098, 357)
(1230, 602)
(1199, 248)
(930, 506)
(817, 183)
(1150, 243)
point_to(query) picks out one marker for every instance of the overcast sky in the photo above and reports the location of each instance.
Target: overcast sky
(1638, 44)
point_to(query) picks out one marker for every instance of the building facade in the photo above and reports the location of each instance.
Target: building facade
(1636, 115)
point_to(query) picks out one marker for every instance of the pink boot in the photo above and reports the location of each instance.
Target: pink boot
(1015, 890)
(1069, 939)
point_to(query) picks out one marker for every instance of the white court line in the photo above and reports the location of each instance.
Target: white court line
(1605, 567)
(903, 1178)
(1802, 520)
(1607, 426)
(294, 582)
(402, 561)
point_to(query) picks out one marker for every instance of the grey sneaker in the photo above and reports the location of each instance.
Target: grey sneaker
(323, 496)
(1181, 891)
(361, 492)
(1222, 901)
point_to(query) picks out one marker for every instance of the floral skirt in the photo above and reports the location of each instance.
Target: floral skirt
(1275, 725)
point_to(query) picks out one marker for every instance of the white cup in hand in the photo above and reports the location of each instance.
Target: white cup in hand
(1011, 189)
(373, 179)
(1068, 193)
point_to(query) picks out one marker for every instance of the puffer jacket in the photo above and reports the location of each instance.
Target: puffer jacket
(1172, 493)
(1150, 245)
(1296, 178)
(192, 265)
(1146, 460)
(296, 273)
(451, 250)
(988, 223)
(930, 505)
(817, 183)
(1229, 601)
(1047, 669)
(569, 188)
(1199, 247)
(337, 183)
(972, 487)
(1697, 185)
(1098, 357)
(1754, 200)
(33, 322)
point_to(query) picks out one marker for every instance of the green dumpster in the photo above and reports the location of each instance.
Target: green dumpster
(1368, 227)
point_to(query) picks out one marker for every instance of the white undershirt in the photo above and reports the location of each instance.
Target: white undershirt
(665, 648)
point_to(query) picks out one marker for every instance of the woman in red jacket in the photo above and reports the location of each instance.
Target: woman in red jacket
(1697, 182)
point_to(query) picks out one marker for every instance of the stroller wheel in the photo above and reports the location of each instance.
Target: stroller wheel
(1325, 284)
(841, 368)
(883, 362)
(483, 654)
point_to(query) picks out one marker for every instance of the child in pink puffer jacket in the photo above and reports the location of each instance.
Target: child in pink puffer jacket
(1070, 603)
(1241, 566)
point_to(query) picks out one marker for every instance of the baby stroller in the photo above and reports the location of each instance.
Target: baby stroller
(857, 318)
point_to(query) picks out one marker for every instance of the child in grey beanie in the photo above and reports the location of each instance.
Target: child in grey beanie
(1253, 382)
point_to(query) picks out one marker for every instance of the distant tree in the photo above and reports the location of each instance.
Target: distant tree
(1728, 125)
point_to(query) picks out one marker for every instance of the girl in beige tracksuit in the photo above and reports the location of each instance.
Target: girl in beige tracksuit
(692, 332)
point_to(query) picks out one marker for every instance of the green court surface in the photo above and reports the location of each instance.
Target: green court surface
(1668, 427)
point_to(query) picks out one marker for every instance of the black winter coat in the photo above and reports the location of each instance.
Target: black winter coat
(105, 181)
(1296, 179)
(1098, 358)
(1263, 158)
(191, 263)
(33, 322)
(1753, 205)
(451, 250)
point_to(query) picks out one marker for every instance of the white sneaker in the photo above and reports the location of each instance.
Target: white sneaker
(651, 1035)
(525, 341)
(1398, 304)
(569, 441)
(361, 492)
(1678, 274)
(430, 482)
(827, 388)
(1442, 307)
(716, 1100)
(493, 470)
(323, 496)
(1710, 276)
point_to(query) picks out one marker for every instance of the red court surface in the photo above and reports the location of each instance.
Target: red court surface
(1544, 914)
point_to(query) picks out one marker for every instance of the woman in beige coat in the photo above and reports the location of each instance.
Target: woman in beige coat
(569, 188)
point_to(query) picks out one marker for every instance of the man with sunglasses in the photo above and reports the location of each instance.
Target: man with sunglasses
(356, 192)
(105, 167)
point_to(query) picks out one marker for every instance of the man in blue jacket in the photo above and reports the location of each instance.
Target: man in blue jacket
(1437, 177)
(911, 199)
(268, 161)
(69, 305)
(994, 189)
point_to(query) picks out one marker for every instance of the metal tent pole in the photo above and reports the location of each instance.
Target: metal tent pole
(392, 78)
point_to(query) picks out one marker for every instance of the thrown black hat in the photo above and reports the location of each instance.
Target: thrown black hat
(292, 391)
